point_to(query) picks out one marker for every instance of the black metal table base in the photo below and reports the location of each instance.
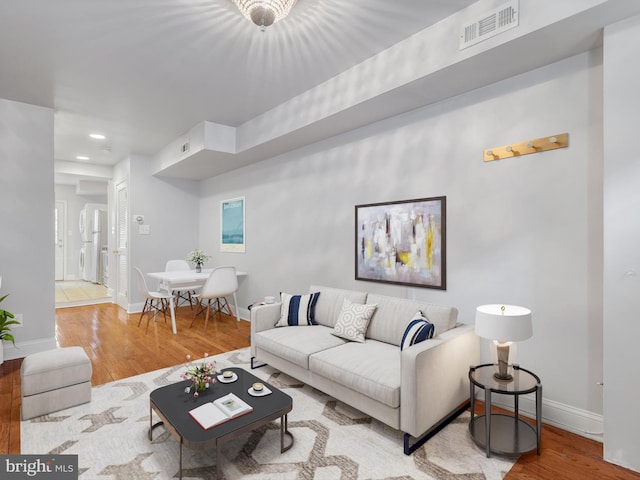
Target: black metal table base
(499, 433)
(510, 436)
(284, 432)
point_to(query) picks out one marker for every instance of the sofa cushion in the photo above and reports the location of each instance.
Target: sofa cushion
(353, 320)
(390, 319)
(295, 344)
(329, 303)
(297, 309)
(371, 368)
(418, 330)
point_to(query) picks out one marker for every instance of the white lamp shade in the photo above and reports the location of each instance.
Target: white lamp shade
(507, 323)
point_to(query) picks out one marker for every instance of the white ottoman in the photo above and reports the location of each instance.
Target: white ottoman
(54, 380)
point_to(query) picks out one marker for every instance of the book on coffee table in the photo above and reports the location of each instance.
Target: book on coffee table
(221, 410)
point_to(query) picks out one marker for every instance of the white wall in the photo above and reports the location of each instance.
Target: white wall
(26, 213)
(170, 209)
(73, 241)
(622, 237)
(519, 231)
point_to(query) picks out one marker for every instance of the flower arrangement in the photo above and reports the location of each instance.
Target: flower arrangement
(198, 257)
(201, 375)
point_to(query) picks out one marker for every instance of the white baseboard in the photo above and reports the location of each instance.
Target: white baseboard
(79, 303)
(22, 349)
(574, 420)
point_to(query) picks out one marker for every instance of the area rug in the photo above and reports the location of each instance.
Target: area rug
(332, 440)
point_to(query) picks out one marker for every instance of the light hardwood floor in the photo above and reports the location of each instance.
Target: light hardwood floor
(118, 348)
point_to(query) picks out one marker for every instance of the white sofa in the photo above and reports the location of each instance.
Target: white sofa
(416, 390)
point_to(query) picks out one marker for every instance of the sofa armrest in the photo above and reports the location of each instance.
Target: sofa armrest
(434, 378)
(263, 317)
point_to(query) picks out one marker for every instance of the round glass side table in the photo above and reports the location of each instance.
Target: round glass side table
(505, 434)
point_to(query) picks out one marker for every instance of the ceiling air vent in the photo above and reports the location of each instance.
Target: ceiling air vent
(184, 148)
(489, 25)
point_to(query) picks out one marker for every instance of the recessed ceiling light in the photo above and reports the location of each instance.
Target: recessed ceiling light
(97, 136)
(82, 157)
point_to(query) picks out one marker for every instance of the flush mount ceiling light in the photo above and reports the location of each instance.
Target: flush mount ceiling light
(97, 136)
(265, 12)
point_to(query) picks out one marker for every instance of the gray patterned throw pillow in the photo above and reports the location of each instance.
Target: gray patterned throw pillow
(353, 321)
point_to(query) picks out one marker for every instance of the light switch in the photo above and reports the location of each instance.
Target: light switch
(145, 229)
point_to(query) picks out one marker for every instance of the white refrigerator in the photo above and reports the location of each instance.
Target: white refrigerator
(93, 236)
(99, 244)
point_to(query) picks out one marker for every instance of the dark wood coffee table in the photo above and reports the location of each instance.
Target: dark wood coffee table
(172, 405)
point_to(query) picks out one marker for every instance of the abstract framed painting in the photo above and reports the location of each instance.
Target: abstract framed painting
(232, 225)
(402, 242)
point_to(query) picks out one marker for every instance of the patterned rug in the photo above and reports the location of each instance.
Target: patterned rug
(332, 440)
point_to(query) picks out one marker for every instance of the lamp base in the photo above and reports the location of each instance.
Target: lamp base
(503, 375)
(503, 378)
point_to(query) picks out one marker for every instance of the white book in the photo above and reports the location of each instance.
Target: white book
(220, 410)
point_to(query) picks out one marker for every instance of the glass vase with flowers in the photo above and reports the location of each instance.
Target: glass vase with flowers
(198, 258)
(202, 375)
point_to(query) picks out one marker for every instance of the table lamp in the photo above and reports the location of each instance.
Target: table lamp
(503, 324)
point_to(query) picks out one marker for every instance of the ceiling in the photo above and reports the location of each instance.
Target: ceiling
(144, 72)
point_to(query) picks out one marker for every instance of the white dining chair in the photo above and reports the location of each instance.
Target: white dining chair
(222, 282)
(151, 297)
(182, 291)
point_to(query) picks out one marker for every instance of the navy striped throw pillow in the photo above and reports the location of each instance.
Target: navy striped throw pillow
(297, 309)
(418, 330)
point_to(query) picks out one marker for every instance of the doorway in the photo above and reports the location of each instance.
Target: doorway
(122, 245)
(71, 287)
(60, 227)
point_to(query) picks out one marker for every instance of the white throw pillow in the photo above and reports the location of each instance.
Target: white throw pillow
(297, 310)
(418, 330)
(353, 320)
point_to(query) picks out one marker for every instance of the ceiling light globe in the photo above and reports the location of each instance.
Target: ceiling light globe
(261, 16)
(265, 13)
